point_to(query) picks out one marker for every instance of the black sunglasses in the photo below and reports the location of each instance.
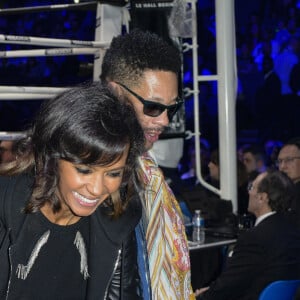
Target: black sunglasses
(154, 109)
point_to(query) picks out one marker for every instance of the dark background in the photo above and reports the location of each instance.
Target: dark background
(257, 22)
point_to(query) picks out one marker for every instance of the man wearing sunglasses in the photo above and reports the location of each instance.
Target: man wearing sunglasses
(144, 68)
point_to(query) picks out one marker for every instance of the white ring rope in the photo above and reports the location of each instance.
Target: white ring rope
(30, 89)
(37, 41)
(12, 135)
(27, 96)
(39, 93)
(29, 92)
(22, 10)
(48, 52)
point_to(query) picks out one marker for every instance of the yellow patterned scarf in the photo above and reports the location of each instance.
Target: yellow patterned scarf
(167, 246)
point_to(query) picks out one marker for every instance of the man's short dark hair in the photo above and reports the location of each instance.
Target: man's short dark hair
(280, 190)
(131, 54)
(256, 151)
(293, 142)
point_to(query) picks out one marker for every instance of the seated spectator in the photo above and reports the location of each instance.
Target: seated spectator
(214, 209)
(7, 151)
(217, 213)
(284, 63)
(272, 148)
(254, 160)
(214, 168)
(190, 177)
(267, 252)
(289, 162)
(242, 180)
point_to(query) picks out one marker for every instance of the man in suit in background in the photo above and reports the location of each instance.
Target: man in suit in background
(289, 162)
(267, 252)
(254, 160)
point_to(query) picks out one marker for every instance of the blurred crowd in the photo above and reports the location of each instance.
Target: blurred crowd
(267, 51)
(267, 48)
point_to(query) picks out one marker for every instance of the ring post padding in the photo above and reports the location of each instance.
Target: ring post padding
(109, 20)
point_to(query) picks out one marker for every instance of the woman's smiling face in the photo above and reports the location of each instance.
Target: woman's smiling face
(82, 188)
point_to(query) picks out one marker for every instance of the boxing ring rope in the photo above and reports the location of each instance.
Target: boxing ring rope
(109, 20)
(25, 89)
(12, 135)
(55, 7)
(48, 52)
(27, 96)
(28, 93)
(38, 93)
(37, 41)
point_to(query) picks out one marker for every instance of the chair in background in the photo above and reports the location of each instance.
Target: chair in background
(280, 290)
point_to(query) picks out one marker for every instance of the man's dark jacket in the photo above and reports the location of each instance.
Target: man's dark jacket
(266, 253)
(294, 214)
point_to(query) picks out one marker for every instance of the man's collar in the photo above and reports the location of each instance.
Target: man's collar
(264, 216)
